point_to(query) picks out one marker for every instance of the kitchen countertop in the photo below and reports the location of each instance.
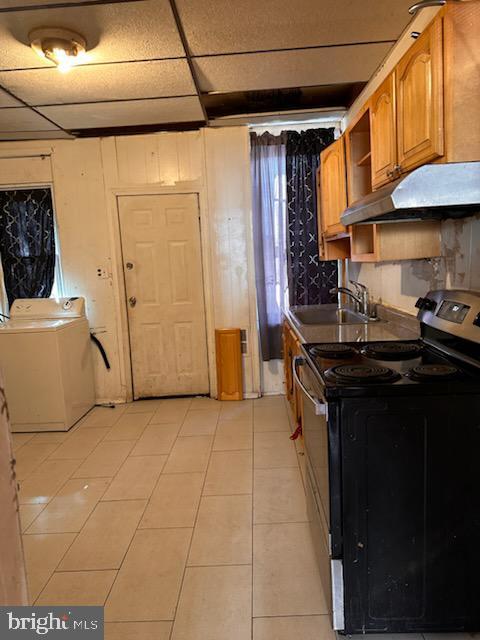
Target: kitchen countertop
(393, 325)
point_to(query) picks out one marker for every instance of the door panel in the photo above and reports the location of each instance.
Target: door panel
(383, 132)
(420, 100)
(164, 289)
(333, 187)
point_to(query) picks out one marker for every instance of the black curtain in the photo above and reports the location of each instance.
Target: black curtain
(309, 279)
(27, 243)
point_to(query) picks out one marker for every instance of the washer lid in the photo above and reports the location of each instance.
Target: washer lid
(36, 326)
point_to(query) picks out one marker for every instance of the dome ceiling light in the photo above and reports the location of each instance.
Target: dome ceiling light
(63, 47)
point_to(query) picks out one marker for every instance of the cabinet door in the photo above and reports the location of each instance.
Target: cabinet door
(333, 194)
(383, 133)
(420, 100)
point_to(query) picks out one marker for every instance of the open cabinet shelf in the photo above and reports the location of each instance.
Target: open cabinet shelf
(365, 160)
(395, 241)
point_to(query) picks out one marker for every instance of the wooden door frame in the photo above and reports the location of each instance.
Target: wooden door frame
(120, 292)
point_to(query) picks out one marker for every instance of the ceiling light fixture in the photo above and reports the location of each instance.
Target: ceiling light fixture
(63, 47)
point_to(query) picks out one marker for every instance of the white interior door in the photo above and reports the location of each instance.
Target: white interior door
(164, 286)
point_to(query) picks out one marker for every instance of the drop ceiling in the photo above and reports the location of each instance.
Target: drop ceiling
(155, 64)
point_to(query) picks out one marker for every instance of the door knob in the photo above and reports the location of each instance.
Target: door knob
(129, 265)
(132, 301)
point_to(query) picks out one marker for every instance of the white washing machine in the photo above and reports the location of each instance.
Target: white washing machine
(45, 355)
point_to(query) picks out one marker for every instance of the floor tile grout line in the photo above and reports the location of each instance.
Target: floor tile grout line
(125, 554)
(126, 439)
(222, 564)
(88, 571)
(118, 472)
(193, 532)
(55, 496)
(54, 571)
(279, 522)
(83, 527)
(47, 457)
(296, 615)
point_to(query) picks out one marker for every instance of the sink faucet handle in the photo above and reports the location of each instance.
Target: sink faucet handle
(359, 286)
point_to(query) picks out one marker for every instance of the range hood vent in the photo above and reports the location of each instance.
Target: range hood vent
(433, 191)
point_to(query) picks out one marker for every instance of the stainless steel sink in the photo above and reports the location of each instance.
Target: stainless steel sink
(327, 314)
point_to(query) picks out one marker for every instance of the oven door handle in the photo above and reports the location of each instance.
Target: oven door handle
(320, 407)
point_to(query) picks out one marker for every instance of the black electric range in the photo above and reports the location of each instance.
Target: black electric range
(350, 369)
(392, 441)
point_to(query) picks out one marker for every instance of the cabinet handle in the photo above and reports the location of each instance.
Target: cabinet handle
(425, 3)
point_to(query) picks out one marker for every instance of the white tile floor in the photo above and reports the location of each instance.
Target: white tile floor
(186, 518)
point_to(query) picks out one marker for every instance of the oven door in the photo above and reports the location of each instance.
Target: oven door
(315, 434)
(323, 483)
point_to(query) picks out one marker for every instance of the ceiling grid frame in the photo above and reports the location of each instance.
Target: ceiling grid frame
(129, 101)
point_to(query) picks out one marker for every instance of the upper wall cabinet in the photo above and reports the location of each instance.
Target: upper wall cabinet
(427, 108)
(333, 188)
(383, 133)
(419, 96)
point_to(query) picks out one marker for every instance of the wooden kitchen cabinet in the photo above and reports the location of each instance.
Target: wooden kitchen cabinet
(333, 187)
(291, 348)
(419, 100)
(406, 111)
(427, 109)
(383, 133)
(335, 247)
(395, 241)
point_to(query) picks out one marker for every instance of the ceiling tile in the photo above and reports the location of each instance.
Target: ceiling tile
(6, 100)
(103, 82)
(35, 135)
(114, 32)
(217, 26)
(283, 69)
(23, 119)
(125, 114)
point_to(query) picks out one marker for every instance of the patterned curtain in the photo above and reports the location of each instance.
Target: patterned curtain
(27, 243)
(309, 279)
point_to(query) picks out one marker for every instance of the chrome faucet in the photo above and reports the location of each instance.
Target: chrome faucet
(349, 292)
(361, 297)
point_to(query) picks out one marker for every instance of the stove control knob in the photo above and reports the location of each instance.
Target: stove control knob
(476, 322)
(426, 304)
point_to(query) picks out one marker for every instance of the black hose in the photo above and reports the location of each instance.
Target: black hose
(94, 339)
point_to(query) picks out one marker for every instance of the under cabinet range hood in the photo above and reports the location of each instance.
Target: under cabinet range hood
(433, 191)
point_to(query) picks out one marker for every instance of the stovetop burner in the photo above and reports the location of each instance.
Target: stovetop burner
(433, 372)
(392, 350)
(361, 374)
(333, 351)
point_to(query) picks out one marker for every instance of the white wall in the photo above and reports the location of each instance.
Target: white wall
(87, 175)
(273, 377)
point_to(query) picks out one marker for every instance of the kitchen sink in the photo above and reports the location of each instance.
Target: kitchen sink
(327, 314)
